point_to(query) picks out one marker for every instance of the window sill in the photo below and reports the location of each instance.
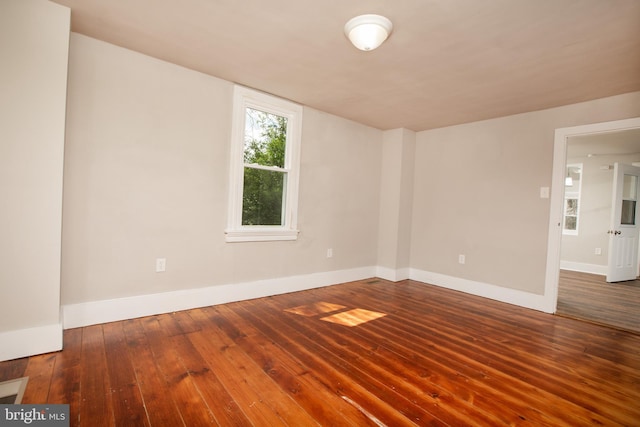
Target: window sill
(260, 235)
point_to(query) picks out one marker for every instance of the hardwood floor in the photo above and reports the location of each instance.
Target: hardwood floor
(364, 353)
(589, 297)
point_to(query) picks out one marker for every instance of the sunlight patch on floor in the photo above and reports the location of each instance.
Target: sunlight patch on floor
(315, 309)
(354, 317)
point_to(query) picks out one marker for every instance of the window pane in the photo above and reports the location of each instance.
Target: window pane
(574, 173)
(570, 222)
(572, 207)
(265, 137)
(262, 201)
(628, 216)
(630, 184)
(629, 195)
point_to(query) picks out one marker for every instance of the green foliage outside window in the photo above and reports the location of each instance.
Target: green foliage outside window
(264, 176)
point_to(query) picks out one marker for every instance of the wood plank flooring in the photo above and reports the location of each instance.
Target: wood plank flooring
(364, 353)
(589, 297)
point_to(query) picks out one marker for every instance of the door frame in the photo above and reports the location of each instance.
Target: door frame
(557, 198)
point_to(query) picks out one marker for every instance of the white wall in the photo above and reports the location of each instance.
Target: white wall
(146, 176)
(477, 193)
(34, 39)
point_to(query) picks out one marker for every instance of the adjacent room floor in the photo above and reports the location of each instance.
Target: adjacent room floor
(589, 297)
(370, 352)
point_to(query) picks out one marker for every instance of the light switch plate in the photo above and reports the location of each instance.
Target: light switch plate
(544, 192)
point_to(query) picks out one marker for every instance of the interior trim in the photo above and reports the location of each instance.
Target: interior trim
(30, 341)
(557, 196)
(104, 311)
(583, 267)
(486, 290)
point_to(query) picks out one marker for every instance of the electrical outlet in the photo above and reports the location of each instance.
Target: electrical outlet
(161, 265)
(598, 251)
(330, 253)
(461, 259)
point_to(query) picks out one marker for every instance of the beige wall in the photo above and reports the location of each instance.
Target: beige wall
(34, 38)
(146, 176)
(396, 198)
(477, 193)
(339, 194)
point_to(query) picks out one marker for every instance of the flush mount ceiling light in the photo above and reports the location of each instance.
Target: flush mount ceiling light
(367, 32)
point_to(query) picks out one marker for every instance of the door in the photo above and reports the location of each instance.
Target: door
(623, 229)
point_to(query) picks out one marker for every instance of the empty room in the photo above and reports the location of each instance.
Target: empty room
(320, 212)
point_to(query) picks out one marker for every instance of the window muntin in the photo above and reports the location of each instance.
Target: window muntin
(264, 168)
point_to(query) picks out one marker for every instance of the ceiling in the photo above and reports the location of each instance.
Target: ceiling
(446, 62)
(617, 143)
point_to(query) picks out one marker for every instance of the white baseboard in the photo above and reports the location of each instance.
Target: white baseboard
(96, 312)
(391, 274)
(584, 268)
(31, 341)
(498, 293)
(104, 311)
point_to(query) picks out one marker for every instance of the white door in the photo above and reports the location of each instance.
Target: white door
(624, 230)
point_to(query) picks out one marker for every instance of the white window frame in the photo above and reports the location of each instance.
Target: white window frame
(244, 98)
(577, 195)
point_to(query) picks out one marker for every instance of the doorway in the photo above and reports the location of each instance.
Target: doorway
(598, 145)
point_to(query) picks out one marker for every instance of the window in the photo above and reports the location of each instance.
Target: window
(629, 196)
(265, 153)
(572, 186)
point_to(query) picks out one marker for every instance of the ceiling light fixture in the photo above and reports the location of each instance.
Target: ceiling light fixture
(367, 32)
